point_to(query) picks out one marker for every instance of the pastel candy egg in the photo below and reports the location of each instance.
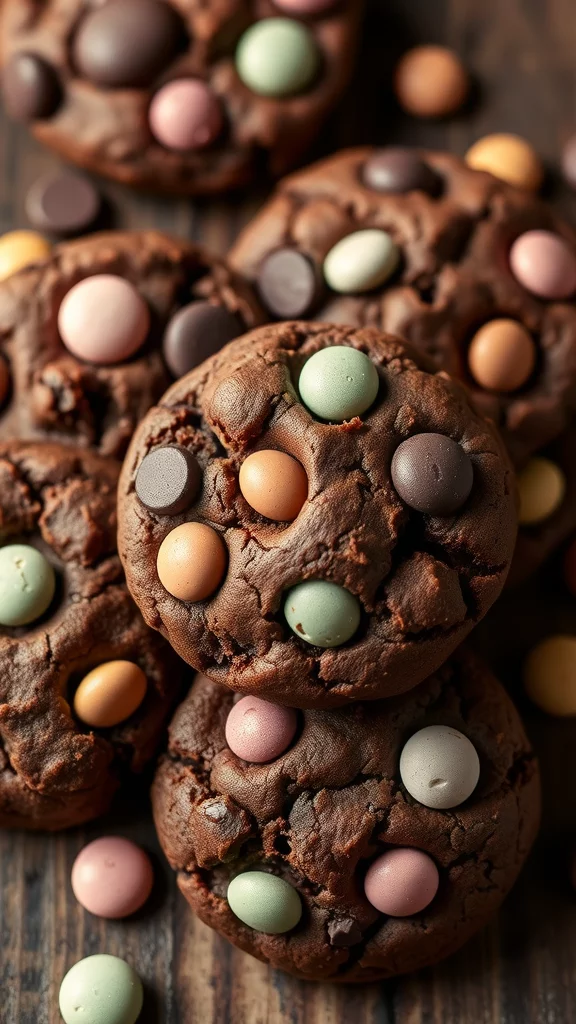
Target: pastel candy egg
(186, 114)
(191, 561)
(439, 767)
(550, 675)
(274, 484)
(544, 264)
(401, 882)
(112, 877)
(322, 613)
(101, 989)
(27, 584)
(103, 319)
(361, 261)
(259, 731)
(277, 57)
(19, 249)
(542, 488)
(264, 902)
(502, 355)
(110, 693)
(338, 383)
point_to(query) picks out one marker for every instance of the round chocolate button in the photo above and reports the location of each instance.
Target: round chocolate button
(127, 43)
(400, 170)
(288, 284)
(31, 88)
(168, 480)
(432, 474)
(64, 204)
(196, 332)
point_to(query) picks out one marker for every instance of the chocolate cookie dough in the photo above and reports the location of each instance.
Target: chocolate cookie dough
(375, 842)
(93, 335)
(392, 549)
(85, 686)
(475, 273)
(174, 95)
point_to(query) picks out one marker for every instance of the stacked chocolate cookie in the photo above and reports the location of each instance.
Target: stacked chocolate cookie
(316, 517)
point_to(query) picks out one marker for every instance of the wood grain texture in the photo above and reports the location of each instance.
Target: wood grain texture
(521, 970)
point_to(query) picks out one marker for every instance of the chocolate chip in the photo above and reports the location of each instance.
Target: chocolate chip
(344, 931)
(31, 88)
(168, 480)
(196, 332)
(432, 474)
(127, 43)
(288, 284)
(400, 170)
(63, 204)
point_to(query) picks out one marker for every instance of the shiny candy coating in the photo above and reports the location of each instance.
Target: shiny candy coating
(277, 57)
(186, 115)
(542, 488)
(431, 81)
(401, 882)
(103, 319)
(508, 157)
(274, 484)
(502, 355)
(112, 877)
(338, 383)
(27, 585)
(322, 613)
(399, 170)
(192, 562)
(258, 731)
(101, 989)
(439, 767)
(288, 284)
(432, 474)
(19, 249)
(361, 261)
(264, 902)
(110, 693)
(31, 87)
(544, 264)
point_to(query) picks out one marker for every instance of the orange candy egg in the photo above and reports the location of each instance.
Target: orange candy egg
(274, 484)
(191, 561)
(110, 693)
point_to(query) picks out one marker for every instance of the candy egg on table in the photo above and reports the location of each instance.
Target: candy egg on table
(101, 989)
(112, 877)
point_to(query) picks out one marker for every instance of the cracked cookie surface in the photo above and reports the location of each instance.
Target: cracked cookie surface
(421, 581)
(320, 813)
(453, 274)
(55, 770)
(57, 396)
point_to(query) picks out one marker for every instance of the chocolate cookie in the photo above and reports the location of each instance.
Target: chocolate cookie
(85, 686)
(95, 333)
(315, 516)
(174, 95)
(477, 274)
(345, 856)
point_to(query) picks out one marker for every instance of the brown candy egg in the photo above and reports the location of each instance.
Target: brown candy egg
(502, 356)
(191, 561)
(274, 484)
(431, 81)
(110, 693)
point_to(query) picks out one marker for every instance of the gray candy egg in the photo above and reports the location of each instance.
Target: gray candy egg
(439, 767)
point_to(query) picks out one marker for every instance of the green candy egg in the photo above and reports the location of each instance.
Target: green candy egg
(101, 989)
(338, 383)
(361, 261)
(27, 584)
(322, 613)
(277, 57)
(264, 902)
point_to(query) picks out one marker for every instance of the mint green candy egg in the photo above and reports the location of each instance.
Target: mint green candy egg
(27, 584)
(277, 57)
(264, 902)
(338, 383)
(322, 613)
(101, 989)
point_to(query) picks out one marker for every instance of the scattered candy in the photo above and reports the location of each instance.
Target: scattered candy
(258, 731)
(186, 115)
(277, 57)
(288, 284)
(431, 81)
(550, 675)
(101, 989)
(544, 264)
(168, 480)
(401, 882)
(338, 383)
(542, 487)
(110, 693)
(264, 902)
(27, 584)
(432, 474)
(399, 170)
(64, 203)
(361, 261)
(322, 613)
(126, 43)
(192, 562)
(19, 249)
(502, 356)
(274, 484)
(439, 767)
(112, 877)
(196, 332)
(509, 158)
(103, 319)
(30, 87)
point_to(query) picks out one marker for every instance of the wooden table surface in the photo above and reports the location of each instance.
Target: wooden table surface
(521, 970)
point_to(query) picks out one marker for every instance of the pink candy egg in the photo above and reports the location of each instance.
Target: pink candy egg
(258, 731)
(103, 319)
(401, 882)
(185, 114)
(544, 264)
(305, 6)
(112, 877)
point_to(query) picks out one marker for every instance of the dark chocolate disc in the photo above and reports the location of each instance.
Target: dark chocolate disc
(63, 204)
(168, 480)
(196, 332)
(31, 88)
(432, 474)
(400, 170)
(288, 284)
